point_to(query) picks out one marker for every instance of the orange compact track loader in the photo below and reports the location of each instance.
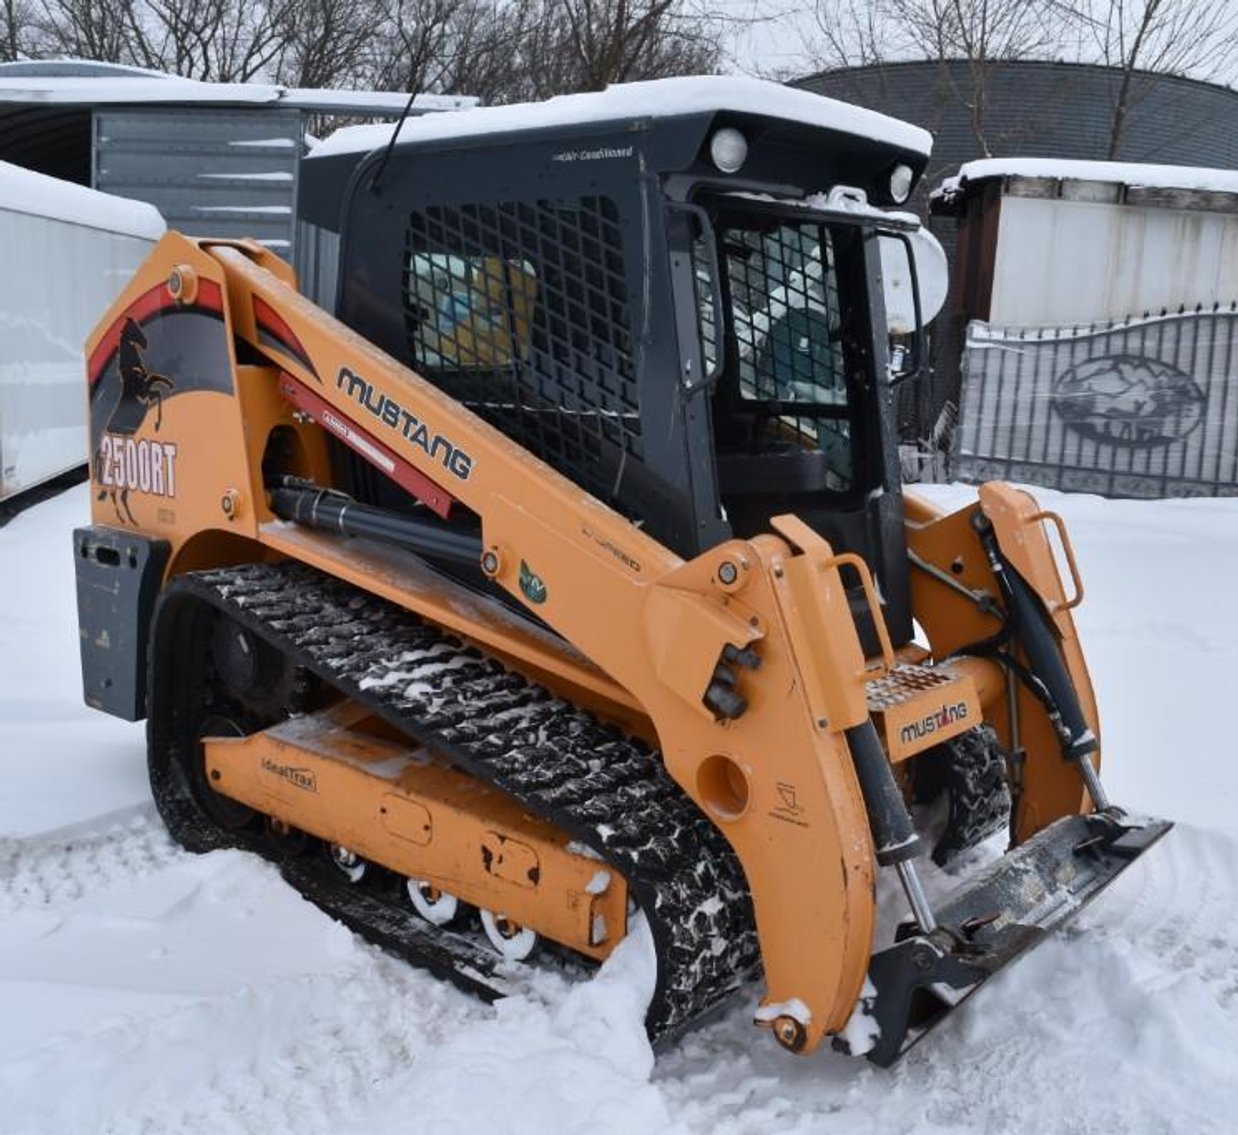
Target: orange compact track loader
(565, 571)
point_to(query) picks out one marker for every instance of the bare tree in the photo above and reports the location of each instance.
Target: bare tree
(223, 41)
(445, 45)
(1148, 39)
(500, 50)
(611, 41)
(514, 50)
(324, 43)
(1143, 39)
(854, 33)
(19, 34)
(976, 33)
(88, 29)
(229, 41)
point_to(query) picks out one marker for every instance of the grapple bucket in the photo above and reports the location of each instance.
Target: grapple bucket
(988, 922)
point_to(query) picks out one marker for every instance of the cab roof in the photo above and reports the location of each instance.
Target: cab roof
(654, 99)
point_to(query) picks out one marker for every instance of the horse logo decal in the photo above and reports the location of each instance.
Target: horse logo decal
(123, 463)
(139, 389)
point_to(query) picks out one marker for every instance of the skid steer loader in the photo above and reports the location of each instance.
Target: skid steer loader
(565, 571)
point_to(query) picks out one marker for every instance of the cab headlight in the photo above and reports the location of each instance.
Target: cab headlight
(729, 149)
(901, 178)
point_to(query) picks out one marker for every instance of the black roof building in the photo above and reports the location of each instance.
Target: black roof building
(1045, 109)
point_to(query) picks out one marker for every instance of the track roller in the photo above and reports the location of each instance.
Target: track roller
(349, 862)
(287, 840)
(434, 905)
(513, 941)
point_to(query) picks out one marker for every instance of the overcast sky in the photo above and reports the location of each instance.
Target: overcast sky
(768, 36)
(774, 38)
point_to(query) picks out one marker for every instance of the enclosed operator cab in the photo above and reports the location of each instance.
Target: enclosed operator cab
(669, 292)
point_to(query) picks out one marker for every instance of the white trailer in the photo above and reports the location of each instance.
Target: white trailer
(1045, 242)
(68, 251)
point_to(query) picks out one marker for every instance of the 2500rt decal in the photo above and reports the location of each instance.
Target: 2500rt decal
(137, 465)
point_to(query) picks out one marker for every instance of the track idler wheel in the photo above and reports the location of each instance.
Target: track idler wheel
(252, 672)
(513, 941)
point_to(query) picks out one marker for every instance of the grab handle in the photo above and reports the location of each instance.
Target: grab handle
(850, 559)
(1069, 551)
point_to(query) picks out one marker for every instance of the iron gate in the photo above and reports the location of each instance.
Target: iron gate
(1146, 407)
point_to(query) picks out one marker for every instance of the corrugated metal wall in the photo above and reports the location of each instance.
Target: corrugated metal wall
(316, 257)
(210, 172)
(1062, 262)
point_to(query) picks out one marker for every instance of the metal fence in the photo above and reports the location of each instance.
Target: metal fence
(1146, 407)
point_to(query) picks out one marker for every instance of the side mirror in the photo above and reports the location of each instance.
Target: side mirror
(915, 279)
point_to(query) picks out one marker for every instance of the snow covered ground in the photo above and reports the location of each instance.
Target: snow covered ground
(143, 989)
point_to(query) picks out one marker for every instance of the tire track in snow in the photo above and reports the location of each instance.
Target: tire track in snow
(301, 1054)
(1124, 1021)
(1177, 903)
(56, 868)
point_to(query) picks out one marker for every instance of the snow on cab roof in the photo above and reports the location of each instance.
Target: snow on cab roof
(24, 191)
(1121, 173)
(656, 98)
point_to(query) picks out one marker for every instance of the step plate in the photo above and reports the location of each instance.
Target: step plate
(916, 707)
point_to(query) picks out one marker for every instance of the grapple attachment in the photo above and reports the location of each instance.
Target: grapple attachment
(987, 923)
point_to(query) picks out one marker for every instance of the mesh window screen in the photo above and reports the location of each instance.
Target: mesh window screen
(519, 310)
(785, 312)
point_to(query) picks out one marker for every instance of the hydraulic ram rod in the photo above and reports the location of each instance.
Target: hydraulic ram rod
(316, 507)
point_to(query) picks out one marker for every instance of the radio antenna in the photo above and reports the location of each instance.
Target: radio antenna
(382, 163)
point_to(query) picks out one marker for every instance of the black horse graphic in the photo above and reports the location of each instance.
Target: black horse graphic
(138, 387)
(120, 502)
(138, 390)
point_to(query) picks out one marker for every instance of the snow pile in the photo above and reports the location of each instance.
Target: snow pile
(578, 1063)
(24, 191)
(148, 990)
(1121, 173)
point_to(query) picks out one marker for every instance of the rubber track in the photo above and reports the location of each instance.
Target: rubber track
(607, 790)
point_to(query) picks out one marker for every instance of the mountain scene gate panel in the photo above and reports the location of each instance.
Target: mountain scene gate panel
(1145, 407)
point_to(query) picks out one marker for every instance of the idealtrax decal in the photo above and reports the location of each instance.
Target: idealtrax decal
(302, 778)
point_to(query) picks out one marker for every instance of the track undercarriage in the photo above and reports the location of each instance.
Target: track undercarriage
(262, 642)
